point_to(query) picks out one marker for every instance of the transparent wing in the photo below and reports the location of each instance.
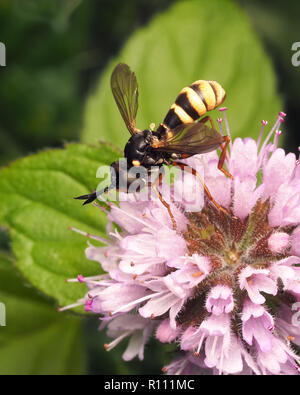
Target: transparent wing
(125, 90)
(190, 139)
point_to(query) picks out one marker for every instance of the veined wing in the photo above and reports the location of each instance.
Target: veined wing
(190, 139)
(124, 87)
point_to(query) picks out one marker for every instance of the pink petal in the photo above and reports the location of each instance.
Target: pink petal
(278, 241)
(165, 333)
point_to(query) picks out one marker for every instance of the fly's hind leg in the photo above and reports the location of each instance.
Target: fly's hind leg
(157, 182)
(207, 119)
(226, 140)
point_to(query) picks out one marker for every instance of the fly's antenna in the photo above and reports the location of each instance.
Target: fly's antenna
(93, 196)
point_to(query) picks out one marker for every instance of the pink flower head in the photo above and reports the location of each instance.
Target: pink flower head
(223, 286)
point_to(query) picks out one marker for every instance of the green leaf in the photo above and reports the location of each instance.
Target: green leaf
(36, 339)
(207, 39)
(37, 205)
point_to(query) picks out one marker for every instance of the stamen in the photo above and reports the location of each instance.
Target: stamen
(116, 234)
(88, 235)
(137, 301)
(200, 343)
(282, 114)
(115, 342)
(164, 369)
(276, 139)
(71, 306)
(264, 123)
(263, 148)
(99, 277)
(79, 278)
(220, 120)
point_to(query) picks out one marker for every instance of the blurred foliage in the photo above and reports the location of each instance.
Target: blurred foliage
(277, 24)
(37, 206)
(56, 50)
(164, 69)
(36, 339)
(39, 96)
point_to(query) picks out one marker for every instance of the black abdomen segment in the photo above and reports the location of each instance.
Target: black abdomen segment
(193, 102)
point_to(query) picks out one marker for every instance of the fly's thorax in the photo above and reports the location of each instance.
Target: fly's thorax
(137, 146)
(139, 152)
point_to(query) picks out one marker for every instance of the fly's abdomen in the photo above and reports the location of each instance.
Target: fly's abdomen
(192, 102)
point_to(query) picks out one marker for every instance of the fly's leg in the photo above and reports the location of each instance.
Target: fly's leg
(207, 119)
(226, 140)
(157, 182)
(196, 174)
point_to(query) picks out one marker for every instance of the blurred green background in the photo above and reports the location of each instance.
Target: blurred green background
(55, 52)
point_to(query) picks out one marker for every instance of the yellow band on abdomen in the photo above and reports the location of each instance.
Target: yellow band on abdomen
(182, 115)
